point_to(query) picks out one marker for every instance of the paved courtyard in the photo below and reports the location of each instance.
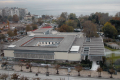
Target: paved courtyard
(64, 72)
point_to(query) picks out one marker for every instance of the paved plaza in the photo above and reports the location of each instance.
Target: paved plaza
(62, 72)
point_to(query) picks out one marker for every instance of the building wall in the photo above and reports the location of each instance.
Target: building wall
(67, 56)
(8, 53)
(74, 57)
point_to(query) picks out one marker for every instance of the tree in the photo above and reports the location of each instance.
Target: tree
(109, 30)
(78, 68)
(72, 23)
(34, 26)
(99, 70)
(28, 28)
(62, 19)
(40, 21)
(10, 33)
(4, 76)
(66, 28)
(14, 76)
(46, 68)
(72, 16)
(15, 31)
(21, 64)
(90, 29)
(57, 67)
(30, 66)
(15, 18)
(2, 36)
(111, 72)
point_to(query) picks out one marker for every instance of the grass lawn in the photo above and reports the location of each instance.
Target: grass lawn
(111, 48)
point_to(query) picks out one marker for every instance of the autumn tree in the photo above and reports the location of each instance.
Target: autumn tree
(2, 36)
(28, 28)
(15, 18)
(109, 30)
(34, 26)
(112, 71)
(78, 68)
(99, 70)
(10, 33)
(57, 67)
(15, 31)
(90, 29)
(66, 28)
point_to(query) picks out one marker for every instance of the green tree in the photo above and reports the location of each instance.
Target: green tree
(15, 18)
(15, 31)
(71, 23)
(72, 16)
(28, 28)
(90, 29)
(109, 30)
(66, 28)
(62, 19)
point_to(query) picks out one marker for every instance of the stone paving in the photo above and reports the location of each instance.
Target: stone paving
(52, 71)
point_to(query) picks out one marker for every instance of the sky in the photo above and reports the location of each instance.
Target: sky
(56, 7)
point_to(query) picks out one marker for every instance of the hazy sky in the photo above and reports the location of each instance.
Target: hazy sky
(55, 7)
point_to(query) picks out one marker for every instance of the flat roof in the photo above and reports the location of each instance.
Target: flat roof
(64, 45)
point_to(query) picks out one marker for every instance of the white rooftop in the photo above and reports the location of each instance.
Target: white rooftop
(75, 48)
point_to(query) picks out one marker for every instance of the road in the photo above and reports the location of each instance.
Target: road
(50, 77)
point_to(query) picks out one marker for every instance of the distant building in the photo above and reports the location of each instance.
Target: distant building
(21, 12)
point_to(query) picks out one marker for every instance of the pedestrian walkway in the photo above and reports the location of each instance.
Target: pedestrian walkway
(50, 77)
(64, 72)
